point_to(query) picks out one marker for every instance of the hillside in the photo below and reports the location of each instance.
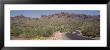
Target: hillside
(45, 26)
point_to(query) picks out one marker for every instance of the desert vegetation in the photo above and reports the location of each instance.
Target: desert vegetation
(46, 25)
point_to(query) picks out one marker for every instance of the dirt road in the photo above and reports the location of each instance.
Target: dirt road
(65, 36)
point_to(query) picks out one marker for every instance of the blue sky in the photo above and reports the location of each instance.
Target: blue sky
(38, 13)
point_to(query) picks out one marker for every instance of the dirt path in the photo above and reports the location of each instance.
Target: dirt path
(57, 36)
(65, 36)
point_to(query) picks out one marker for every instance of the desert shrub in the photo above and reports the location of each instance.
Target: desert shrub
(16, 31)
(91, 29)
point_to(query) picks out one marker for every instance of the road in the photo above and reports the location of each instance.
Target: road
(68, 36)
